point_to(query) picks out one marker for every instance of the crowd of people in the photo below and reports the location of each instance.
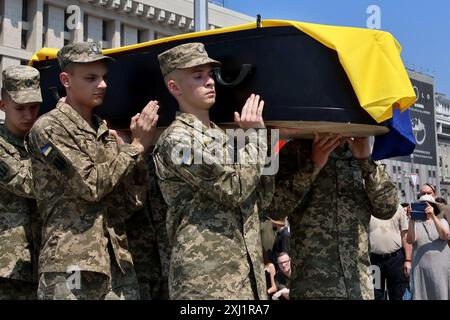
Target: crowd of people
(88, 212)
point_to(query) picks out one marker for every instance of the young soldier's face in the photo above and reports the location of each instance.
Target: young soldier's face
(87, 83)
(197, 87)
(19, 118)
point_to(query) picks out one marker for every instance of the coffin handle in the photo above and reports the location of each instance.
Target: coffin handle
(243, 73)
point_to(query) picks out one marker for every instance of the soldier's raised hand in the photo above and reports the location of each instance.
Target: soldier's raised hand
(143, 126)
(120, 136)
(251, 115)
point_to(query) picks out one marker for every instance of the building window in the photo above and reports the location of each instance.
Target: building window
(85, 27)
(400, 186)
(140, 36)
(394, 169)
(434, 174)
(66, 41)
(24, 39)
(66, 18)
(122, 34)
(23, 62)
(417, 188)
(104, 29)
(160, 35)
(24, 10)
(429, 173)
(1, 16)
(417, 171)
(45, 24)
(399, 169)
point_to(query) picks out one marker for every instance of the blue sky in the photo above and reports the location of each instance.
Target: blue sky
(421, 27)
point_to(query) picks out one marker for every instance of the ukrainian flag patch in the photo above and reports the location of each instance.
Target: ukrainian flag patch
(45, 150)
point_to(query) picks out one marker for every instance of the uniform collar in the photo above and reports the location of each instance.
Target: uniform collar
(192, 121)
(82, 124)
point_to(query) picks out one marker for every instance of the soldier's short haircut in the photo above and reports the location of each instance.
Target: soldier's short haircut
(4, 94)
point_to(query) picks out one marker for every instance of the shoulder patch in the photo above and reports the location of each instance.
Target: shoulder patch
(5, 171)
(54, 156)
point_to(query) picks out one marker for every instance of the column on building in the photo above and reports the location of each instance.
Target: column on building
(94, 28)
(130, 35)
(55, 27)
(113, 33)
(11, 24)
(35, 22)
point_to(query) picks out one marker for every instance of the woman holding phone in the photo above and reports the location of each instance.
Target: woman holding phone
(430, 272)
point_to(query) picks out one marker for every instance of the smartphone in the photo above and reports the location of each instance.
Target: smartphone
(418, 211)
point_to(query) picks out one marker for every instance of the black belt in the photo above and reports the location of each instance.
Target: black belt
(387, 255)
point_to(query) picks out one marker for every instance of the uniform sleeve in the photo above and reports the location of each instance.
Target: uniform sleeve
(297, 174)
(229, 184)
(265, 191)
(380, 189)
(135, 186)
(86, 177)
(15, 175)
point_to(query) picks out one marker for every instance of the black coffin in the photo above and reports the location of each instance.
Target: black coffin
(301, 81)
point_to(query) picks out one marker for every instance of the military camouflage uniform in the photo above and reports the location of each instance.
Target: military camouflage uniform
(79, 172)
(212, 218)
(157, 209)
(19, 219)
(85, 191)
(17, 212)
(142, 241)
(329, 212)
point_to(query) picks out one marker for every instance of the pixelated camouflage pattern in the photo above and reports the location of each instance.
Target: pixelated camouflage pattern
(81, 52)
(22, 84)
(157, 209)
(78, 171)
(142, 239)
(212, 217)
(12, 289)
(329, 212)
(19, 220)
(184, 56)
(93, 286)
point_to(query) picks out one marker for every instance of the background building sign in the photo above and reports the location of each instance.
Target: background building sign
(422, 119)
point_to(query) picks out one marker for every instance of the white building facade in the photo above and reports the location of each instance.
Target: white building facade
(443, 136)
(411, 172)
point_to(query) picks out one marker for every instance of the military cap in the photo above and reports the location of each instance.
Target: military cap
(184, 56)
(22, 84)
(80, 52)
